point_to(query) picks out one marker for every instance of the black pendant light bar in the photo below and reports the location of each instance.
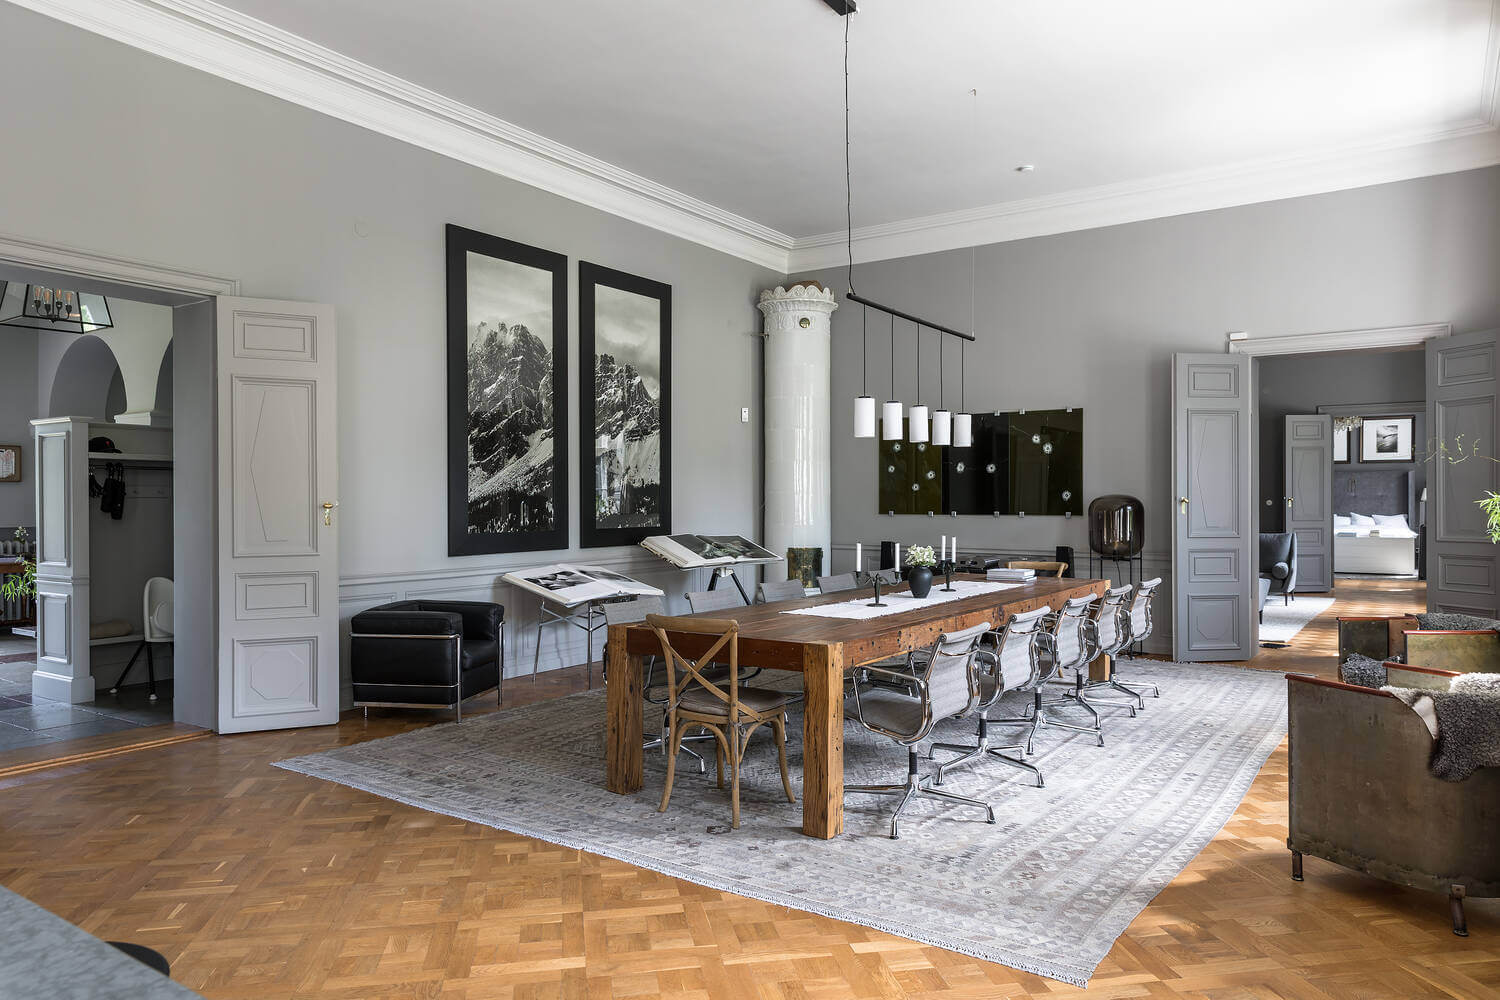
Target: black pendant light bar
(856, 297)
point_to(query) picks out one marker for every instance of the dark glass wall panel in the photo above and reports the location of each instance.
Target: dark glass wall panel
(977, 479)
(1046, 462)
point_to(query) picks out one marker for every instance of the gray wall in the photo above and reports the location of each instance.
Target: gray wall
(1290, 385)
(1091, 319)
(206, 175)
(17, 407)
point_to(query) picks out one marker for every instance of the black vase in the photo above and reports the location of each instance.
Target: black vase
(920, 579)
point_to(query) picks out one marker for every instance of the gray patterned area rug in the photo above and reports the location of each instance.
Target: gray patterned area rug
(1046, 890)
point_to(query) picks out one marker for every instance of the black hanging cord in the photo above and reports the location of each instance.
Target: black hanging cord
(893, 359)
(848, 175)
(963, 377)
(919, 364)
(940, 373)
(864, 339)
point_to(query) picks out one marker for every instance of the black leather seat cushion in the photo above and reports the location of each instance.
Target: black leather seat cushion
(478, 652)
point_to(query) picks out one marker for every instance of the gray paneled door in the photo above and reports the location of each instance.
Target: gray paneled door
(1308, 468)
(278, 494)
(1463, 567)
(1213, 539)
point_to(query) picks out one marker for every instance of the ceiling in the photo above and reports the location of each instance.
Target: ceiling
(735, 106)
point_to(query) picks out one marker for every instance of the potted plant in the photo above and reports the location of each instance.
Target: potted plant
(22, 585)
(920, 559)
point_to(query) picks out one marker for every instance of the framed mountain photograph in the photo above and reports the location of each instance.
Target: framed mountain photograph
(507, 395)
(624, 406)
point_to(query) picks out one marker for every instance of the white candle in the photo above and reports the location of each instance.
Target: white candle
(859, 557)
(942, 547)
(898, 555)
(953, 549)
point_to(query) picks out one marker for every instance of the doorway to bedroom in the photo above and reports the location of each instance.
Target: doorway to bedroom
(1342, 479)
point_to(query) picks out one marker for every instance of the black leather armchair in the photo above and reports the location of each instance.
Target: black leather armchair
(1278, 562)
(420, 654)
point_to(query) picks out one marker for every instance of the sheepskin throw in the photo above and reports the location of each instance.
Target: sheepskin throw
(1362, 670)
(1443, 621)
(1468, 724)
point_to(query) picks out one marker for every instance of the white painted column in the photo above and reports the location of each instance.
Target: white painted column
(798, 421)
(62, 561)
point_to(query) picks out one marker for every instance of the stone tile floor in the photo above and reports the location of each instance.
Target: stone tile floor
(29, 722)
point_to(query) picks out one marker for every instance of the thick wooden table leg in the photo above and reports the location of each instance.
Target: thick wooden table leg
(622, 741)
(1102, 669)
(823, 742)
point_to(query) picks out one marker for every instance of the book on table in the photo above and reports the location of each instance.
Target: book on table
(1002, 575)
(693, 551)
(567, 584)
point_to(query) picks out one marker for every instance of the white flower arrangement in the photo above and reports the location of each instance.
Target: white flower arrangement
(921, 555)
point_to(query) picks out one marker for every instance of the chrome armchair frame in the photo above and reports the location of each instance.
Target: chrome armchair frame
(914, 786)
(1031, 623)
(1072, 614)
(1112, 608)
(458, 699)
(1145, 591)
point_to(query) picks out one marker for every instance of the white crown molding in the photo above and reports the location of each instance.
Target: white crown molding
(231, 45)
(217, 40)
(92, 264)
(1383, 338)
(1467, 147)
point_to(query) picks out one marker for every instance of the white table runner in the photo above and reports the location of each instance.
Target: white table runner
(858, 609)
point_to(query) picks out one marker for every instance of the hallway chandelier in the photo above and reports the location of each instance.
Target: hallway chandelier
(1348, 423)
(943, 427)
(41, 307)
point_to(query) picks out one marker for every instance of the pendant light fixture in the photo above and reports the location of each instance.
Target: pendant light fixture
(916, 422)
(41, 307)
(890, 416)
(864, 405)
(942, 418)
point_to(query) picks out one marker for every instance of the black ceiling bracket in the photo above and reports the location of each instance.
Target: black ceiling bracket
(844, 7)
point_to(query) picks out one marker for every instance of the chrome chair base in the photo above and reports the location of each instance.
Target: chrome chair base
(660, 742)
(1133, 695)
(916, 787)
(1039, 719)
(969, 754)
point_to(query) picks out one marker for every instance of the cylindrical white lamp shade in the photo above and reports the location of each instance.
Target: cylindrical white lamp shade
(864, 417)
(890, 421)
(916, 423)
(963, 430)
(942, 427)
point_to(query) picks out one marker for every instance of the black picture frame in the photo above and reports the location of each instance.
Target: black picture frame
(1397, 456)
(1348, 435)
(462, 540)
(590, 278)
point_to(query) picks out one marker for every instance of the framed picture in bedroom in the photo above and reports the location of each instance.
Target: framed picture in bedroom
(1386, 439)
(507, 395)
(624, 406)
(10, 463)
(1341, 446)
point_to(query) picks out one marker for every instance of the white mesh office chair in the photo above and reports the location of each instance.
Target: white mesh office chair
(781, 590)
(946, 686)
(1111, 630)
(1015, 663)
(836, 583)
(1066, 641)
(156, 627)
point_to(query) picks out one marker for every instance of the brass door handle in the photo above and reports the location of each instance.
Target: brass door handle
(1184, 502)
(1289, 502)
(328, 513)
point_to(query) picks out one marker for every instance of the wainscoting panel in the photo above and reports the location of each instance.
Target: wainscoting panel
(560, 646)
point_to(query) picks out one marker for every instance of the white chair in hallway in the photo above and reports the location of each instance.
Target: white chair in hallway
(156, 627)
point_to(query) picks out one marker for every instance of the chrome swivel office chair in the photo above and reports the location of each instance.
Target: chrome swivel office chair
(1141, 623)
(1014, 663)
(1066, 642)
(713, 600)
(836, 583)
(1111, 633)
(781, 590)
(946, 686)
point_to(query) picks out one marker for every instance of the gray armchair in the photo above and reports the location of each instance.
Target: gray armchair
(1278, 562)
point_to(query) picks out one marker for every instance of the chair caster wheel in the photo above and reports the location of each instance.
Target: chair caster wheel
(991, 820)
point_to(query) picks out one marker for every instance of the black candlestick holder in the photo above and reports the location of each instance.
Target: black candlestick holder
(877, 579)
(946, 566)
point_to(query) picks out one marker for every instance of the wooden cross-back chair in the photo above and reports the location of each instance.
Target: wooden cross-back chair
(731, 712)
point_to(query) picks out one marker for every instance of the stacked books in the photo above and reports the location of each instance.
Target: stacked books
(1010, 575)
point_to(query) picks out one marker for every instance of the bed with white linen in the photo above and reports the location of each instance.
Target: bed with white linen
(1382, 544)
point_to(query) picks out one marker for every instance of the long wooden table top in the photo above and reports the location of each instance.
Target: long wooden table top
(769, 638)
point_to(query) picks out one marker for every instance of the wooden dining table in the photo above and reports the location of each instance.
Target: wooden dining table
(822, 650)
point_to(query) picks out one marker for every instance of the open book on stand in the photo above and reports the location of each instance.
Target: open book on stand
(569, 585)
(693, 551)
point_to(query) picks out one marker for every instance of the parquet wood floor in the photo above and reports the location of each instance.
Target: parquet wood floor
(259, 883)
